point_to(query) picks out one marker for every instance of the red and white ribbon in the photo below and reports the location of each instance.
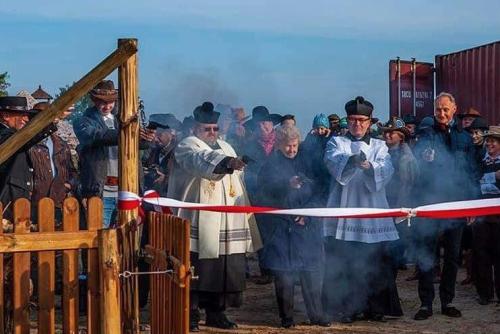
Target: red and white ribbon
(473, 208)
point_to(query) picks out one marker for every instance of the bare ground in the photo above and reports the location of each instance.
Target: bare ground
(259, 314)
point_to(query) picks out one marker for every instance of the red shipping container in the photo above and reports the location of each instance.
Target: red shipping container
(411, 88)
(473, 77)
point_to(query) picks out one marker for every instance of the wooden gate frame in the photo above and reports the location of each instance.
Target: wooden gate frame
(103, 314)
(168, 249)
(125, 59)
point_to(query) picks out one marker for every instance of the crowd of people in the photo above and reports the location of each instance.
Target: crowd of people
(346, 267)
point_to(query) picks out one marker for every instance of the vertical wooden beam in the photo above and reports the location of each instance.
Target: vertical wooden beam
(94, 223)
(21, 273)
(109, 262)
(70, 303)
(129, 181)
(46, 271)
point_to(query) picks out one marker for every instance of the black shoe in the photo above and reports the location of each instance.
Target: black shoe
(194, 328)
(451, 311)
(219, 320)
(345, 319)
(287, 323)
(379, 317)
(483, 301)
(423, 314)
(322, 322)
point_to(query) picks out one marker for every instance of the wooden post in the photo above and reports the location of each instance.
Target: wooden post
(63, 102)
(109, 263)
(128, 178)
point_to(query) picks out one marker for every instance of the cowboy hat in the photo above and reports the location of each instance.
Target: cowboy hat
(493, 131)
(395, 124)
(105, 91)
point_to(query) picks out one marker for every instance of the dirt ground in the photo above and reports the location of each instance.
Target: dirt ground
(259, 314)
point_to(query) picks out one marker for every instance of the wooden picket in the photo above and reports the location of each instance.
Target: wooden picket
(95, 210)
(169, 249)
(21, 270)
(70, 269)
(44, 244)
(46, 272)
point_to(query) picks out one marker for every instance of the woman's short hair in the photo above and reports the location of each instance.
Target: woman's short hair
(287, 133)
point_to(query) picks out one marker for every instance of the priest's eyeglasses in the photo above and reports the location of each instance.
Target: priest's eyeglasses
(357, 120)
(211, 128)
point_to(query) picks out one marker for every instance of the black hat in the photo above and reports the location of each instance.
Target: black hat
(287, 116)
(359, 106)
(14, 104)
(206, 114)
(165, 121)
(261, 114)
(478, 123)
(333, 117)
(410, 119)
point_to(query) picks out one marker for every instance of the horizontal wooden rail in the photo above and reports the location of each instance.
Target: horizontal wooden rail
(47, 241)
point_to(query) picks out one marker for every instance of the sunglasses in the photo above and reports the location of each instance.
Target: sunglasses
(209, 128)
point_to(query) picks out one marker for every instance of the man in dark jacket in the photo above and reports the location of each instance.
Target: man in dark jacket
(446, 163)
(53, 173)
(16, 174)
(98, 132)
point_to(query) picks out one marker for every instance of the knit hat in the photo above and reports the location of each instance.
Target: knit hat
(320, 120)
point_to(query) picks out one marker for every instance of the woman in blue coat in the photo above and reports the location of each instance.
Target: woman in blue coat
(293, 246)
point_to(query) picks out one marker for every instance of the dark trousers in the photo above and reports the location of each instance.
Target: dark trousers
(428, 232)
(486, 243)
(211, 302)
(359, 277)
(310, 282)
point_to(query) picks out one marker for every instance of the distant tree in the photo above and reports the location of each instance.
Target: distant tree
(80, 106)
(4, 84)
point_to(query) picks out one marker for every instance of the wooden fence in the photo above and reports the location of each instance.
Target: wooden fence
(168, 249)
(23, 250)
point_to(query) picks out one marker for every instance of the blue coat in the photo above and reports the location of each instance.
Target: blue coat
(288, 246)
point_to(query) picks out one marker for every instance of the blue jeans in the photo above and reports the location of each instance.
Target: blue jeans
(109, 205)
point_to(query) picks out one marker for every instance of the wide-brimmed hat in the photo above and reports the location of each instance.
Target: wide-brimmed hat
(471, 112)
(478, 123)
(105, 91)
(15, 104)
(395, 124)
(493, 131)
(165, 121)
(261, 114)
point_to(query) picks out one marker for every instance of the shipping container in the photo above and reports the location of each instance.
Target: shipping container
(473, 77)
(411, 88)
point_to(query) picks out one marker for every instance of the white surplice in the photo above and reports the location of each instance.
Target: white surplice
(354, 187)
(193, 180)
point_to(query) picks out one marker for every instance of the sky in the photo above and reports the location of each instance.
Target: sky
(295, 57)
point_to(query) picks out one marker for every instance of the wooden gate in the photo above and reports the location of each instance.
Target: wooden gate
(23, 250)
(168, 250)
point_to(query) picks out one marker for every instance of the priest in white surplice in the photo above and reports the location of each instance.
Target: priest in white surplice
(359, 276)
(206, 170)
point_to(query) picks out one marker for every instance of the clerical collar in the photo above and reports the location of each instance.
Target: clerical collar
(365, 138)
